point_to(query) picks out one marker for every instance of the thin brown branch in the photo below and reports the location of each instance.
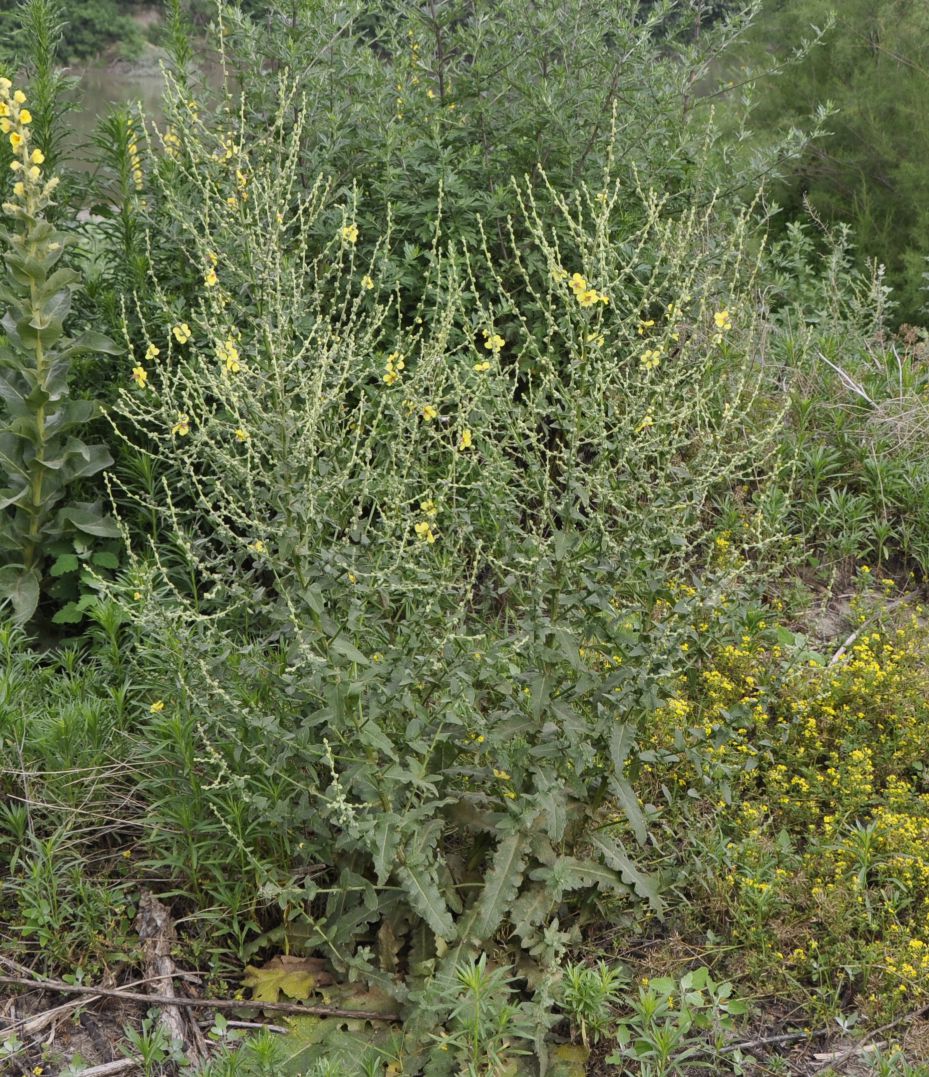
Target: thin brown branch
(294, 1009)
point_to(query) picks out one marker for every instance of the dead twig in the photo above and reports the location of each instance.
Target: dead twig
(109, 1069)
(863, 1043)
(770, 1041)
(293, 1008)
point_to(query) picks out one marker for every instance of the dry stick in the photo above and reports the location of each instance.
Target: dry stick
(863, 1042)
(769, 1041)
(865, 625)
(110, 1069)
(206, 1003)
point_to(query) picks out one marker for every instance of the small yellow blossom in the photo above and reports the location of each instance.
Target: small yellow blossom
(465, 441)
(494, 342)
(25, 116)
(428, 507)
(722, 320)
(137, 595)
(228, 353)
(34, 173)
(502, 775)
(37, 157)
(19, 189)
(140, 376)
(577, 283)
(157, 707)
(424, 530)
(430, 413)
(367, 283)
(481, 368)
(16, 140)
(645, 424)
(650, 358)
(257, 546)
(390, 377)
(182, 426)
(152, 351)
(349, 233)
(19, 97)
(241, 434)
(182, 333)
(210, 279)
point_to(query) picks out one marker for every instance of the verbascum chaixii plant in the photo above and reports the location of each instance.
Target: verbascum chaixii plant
(393, 526)
(41, 452)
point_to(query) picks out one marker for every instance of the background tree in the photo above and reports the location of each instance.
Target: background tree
(870, 171)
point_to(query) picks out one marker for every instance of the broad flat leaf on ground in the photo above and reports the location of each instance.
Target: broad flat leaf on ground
(293, 977)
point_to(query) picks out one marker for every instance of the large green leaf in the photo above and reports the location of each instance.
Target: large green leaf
(21, 587)
(90, 519)
(500, 887)
(614, 854)
(424, 896)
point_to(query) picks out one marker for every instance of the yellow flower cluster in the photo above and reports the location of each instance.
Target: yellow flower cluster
(29, 189)
(584, 294)
(227, 352)
(392, 368)
(135, 159)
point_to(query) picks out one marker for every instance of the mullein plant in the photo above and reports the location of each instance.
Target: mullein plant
(41, 453)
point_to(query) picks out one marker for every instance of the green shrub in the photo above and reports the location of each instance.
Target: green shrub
(392, 617)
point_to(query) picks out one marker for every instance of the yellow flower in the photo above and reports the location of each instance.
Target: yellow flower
(25, 116)
(430, 413)
(210, 279)
(559, 274)
(229, 354)
(650, 358)
(722, 320)
(465, 441)
(349, 233)
(19, 97)
(428, 507)
(137, 595)
(257, 546)
(588, 296)
(19, 189)
(502, 775)
(482, 367)
(157, 707)
(182, 333)
(424, 530)
(645, 424)
(577, 283)
(38, 157)
(16, 140)
(367, 283)
(390, 377)
(140, 376)
(182, 426)
(240, 434)
(494, 342)
(16, 165)
(35, 173)
(151, 351)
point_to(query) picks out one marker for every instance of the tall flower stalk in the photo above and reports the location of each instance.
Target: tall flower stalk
(41, 454)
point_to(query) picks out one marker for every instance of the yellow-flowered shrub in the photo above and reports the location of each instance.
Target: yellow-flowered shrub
(823, 867)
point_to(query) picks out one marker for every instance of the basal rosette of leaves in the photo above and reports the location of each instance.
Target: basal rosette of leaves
(41, 451)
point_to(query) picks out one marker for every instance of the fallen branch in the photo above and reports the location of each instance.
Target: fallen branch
(770, 1041)
(110, 1069)
(862, 1044)
(293, 1008)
